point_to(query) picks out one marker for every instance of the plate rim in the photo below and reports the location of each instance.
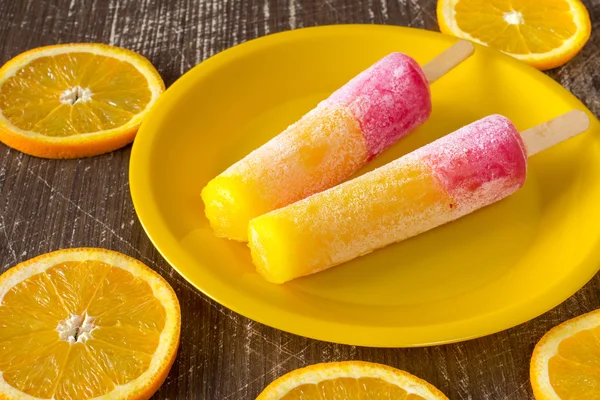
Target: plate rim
(291, 322)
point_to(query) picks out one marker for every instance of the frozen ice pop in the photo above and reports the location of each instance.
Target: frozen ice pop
(464, 171)
(331, 142)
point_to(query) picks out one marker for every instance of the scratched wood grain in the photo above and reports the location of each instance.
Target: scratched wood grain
(47, 205)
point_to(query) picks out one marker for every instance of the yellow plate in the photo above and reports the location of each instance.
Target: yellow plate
(487, 272)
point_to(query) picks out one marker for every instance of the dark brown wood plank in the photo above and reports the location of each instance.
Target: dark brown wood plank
(46, 205)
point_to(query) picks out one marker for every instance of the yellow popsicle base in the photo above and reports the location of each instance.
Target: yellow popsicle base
(392, 203)
(230, 204)
(321, 150)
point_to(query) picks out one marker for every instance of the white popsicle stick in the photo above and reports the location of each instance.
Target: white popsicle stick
(556, 130)
(447, 60)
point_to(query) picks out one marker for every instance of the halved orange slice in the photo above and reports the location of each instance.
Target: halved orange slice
(545, 34)
(85, 323)
(75, 100)
(566, 361)
(350, 380)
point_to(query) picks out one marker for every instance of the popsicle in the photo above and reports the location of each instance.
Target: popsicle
(464, 171)
(331, 142)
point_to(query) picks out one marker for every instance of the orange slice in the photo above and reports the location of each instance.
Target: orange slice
(75, 100)
(85, 323)
(350, 380)
(545, 34)
(566, 361)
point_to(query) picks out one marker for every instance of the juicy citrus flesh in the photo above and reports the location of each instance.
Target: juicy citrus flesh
(350, 389)
(78, 329)
(575, 370)
(566, 362)
(350, 380)
(545, 34)
(74, 93)
(518, 27)
(75, 100)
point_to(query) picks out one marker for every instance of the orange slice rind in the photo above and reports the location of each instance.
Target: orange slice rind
(543, 34)
(75, 100)
(350, 380)
(566, 361)
(85, 323)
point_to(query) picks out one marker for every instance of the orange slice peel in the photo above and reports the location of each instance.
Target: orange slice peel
(85, 323)
(566, 361)
(75, 100)
(350, 380)
(543, 34)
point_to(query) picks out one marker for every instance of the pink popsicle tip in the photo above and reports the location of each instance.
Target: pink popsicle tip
(501, 119)
(480, 163)
(389, 100)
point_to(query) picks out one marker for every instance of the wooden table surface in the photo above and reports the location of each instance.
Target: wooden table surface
(47, 204)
